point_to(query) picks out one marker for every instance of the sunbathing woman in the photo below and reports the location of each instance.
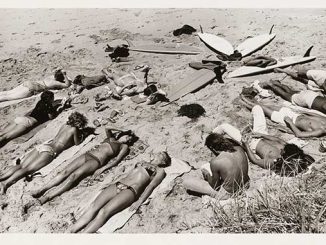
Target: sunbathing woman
(86, 164)
(227, 172)
(132, 189)
(42, 112)
(29, 88)
(303, 125)
(126, 85)
(82, 82)
(69, 134)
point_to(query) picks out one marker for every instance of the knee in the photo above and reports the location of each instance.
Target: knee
(105, 212)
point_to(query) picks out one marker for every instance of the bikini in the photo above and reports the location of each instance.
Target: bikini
(91, 155)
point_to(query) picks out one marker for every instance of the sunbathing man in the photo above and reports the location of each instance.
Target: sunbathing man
(126, 85)
(82, 82)
(303, 125)
(274, 153)
(69, 134)
(115, 145)
(29, 88)
(306, 98)
(42, 112)
(132, 189)
(314, 79)
(228, 171)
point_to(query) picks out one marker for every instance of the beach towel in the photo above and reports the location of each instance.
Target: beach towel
(177, 168)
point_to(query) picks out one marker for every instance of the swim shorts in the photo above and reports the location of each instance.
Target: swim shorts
(304, 98)
(318, 76)
(46, 148)
(278, 116)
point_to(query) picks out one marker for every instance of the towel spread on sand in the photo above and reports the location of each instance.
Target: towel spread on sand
(177, 168)
(66, 155)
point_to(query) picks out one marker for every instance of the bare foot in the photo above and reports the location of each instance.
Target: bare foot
(37, 193)
(43, 200)
(3, 189)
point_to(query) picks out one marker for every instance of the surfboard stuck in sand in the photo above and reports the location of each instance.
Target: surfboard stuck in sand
(281, 63)
(247, 47)
(190, 83)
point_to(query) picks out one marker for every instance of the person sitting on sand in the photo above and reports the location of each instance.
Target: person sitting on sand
(132, 189)
(303, 125)
(314, 79)
(29, 88)
(273, 152)
(306, 98)
(227, 172)
(97, 158)
(82, 82)
(42, 112)
(128, 84)
(69, 135)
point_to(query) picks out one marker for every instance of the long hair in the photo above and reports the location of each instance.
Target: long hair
(217, 143)
(133, 139)
(77, 120)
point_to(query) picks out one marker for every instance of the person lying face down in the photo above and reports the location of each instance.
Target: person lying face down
(30, 88)
(82, 82)
(69, 134)
(132, 189)
(114, 146)
(314, 79)
(273, 152)
(303, 125)
(229, 168)
(42, 112)
(306, 98)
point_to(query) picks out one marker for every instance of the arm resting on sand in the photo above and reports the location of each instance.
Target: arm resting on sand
(295, 75)
(263, 163)
(160, 175)
(230, 130)
(303, 134)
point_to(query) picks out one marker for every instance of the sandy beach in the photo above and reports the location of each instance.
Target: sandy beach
(33, 42)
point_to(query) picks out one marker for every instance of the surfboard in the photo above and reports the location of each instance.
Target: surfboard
(253, 44)
(217, 44)
(166, 49)
(189, 84)
(281, 63)
(247, 47)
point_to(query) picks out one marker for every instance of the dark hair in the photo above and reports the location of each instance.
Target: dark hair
(78, 80)
(167, 159)
(216, 143)
(133, 139)
(58, 76)
(47, 96)
(292, 161)
(191, 110)
(76, 118)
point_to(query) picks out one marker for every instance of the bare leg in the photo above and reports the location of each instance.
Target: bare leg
(19, 92)
(282, 90)
(16, 131)
(199, 186)
(118, 203)
(88, 168)
(103, 198)
(250, 104)
(40, 160)
(8, 172)
(61, 176)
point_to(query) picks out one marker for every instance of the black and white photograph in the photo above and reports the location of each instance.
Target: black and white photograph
(133, 120)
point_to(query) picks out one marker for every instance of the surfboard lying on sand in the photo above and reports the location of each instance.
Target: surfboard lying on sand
(249, 46)
(281, 63)
(190, 83)
(166, 49)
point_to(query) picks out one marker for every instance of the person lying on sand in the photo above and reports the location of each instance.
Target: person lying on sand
(69, 134)
(229, 167)
(82, 82)
(30, 88)
(132, 188)
(306, 98)
(126, 85)
(303, 125)
(115, 145)
(314, 79)
(42, 112)
(273, 152)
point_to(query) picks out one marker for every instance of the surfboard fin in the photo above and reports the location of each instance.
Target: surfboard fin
(307, 54)
(270, 31)
(201, 29)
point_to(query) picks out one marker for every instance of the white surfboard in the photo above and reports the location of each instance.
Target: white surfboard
(218, 44)
(281, 63)
(247, 47)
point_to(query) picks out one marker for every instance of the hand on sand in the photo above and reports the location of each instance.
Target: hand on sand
(135, 206)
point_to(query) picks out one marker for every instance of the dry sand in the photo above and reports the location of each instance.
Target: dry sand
(34, 42)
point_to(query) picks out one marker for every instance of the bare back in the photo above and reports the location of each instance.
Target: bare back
(311, 123)
(232, 169)
(64, 139)
(269, 149)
